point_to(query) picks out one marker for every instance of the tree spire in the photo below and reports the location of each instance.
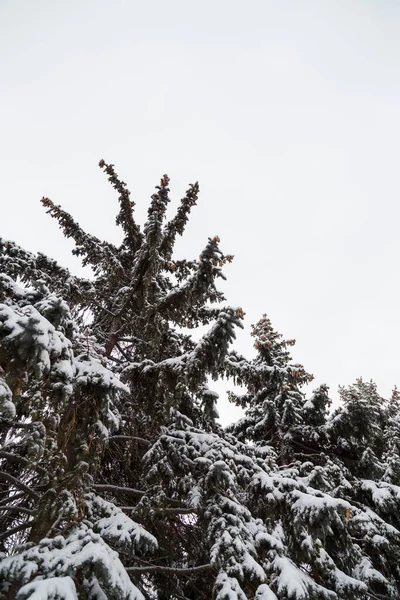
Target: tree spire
(133, 236)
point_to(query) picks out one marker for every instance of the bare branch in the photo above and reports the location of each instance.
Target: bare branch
(133, 340)
(56, 522)
(16, 529)
(115, 488)
(370, 595)
(171, 570)
(13, 498)
(130, 437)
(179, 510)
(18, 424)
(117, 360)
(19, 485)
(122, 351)
(100, 487)
(20, 509)
(16, 458)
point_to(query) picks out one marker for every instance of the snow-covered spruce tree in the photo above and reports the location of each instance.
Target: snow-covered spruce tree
(57, 404)
(110, 442)
(330, 467)
(70, 484)
(363, 436)
(273, 398)
(391, 452)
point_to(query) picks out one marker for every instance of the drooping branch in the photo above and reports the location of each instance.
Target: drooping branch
(16, 529)
(14, 497)
(22, 460)
(18, 509)
(18, 484)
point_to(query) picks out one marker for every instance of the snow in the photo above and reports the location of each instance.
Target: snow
(94, 373)
(7, 408)
(316, 503)
(228, 588)
(195, 497)
(53, 588)
(118, 528)
(382, 493)
(94, 590)
(365, 572)
(59, 557)
(46, 352)
(294, 583)
(252, 567)
(264, 592)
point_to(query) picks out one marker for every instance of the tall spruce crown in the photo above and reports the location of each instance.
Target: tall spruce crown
(117, 480)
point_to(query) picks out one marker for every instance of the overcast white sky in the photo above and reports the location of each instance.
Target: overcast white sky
(287, 112)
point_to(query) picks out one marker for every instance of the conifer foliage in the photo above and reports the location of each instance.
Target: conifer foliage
(116, 479)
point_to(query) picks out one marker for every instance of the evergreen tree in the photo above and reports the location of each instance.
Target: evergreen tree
(58, 406)
(274, 398)
(331, 484)
(356, 428)
(116, 480)
(391, 454)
